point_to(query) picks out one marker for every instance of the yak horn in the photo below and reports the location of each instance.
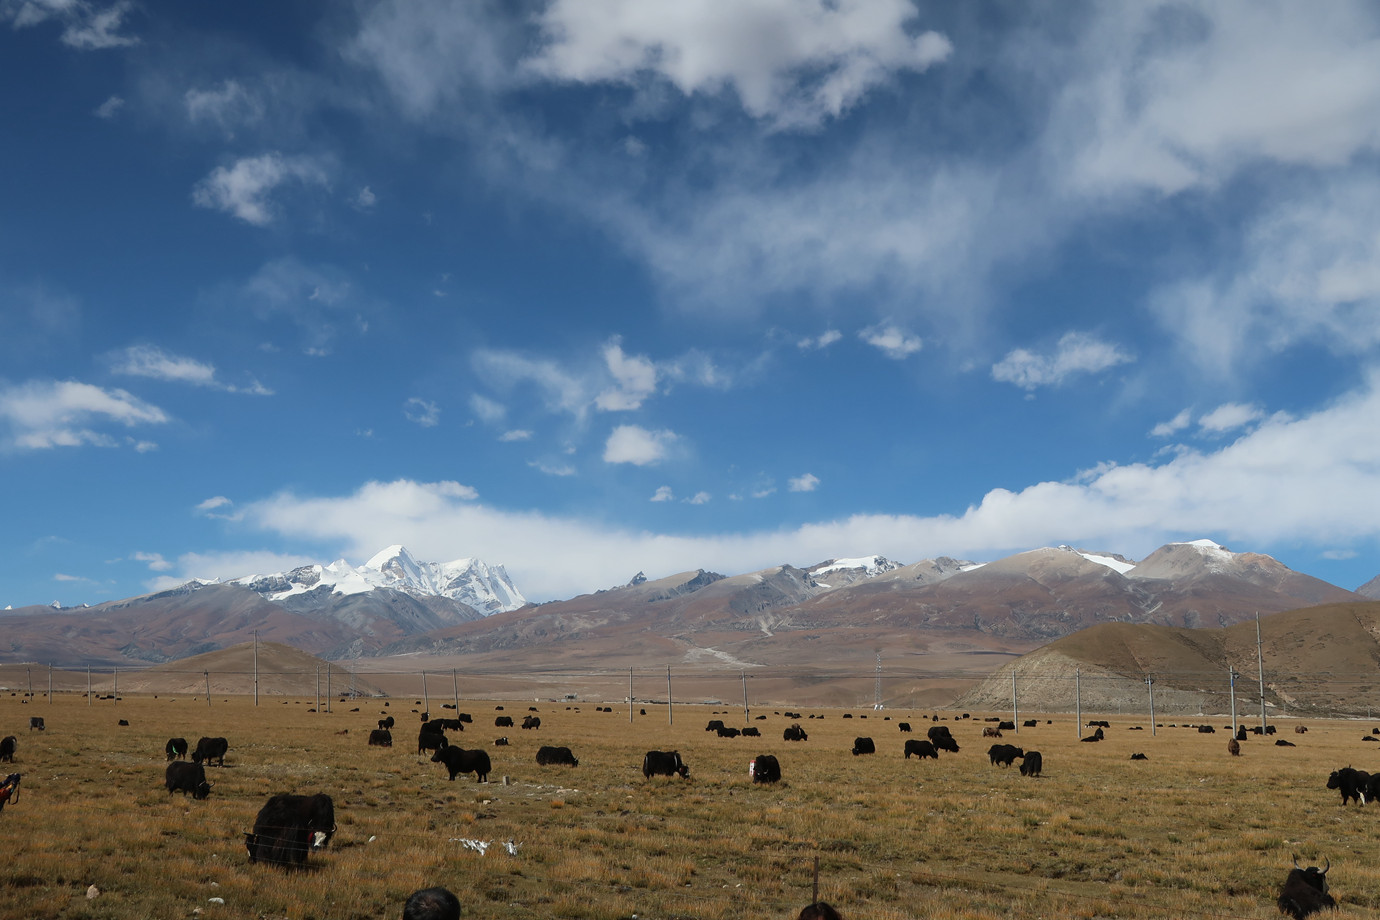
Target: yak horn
(1328, 866)
(1296, 862)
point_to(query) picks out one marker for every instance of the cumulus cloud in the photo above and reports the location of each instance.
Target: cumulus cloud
(805, 483)
(245, 188)
(1228, 417)
(155, 561)
(224, 566)
(791, 64)
(1076, 353)
(217, 507)
(45, 414)
(155, 363)
(638, 446)
(1174, 425)
(891, 340)
(487, 409)
(421, 412)
(516, 434)
(634, 379)
(227, 106)
(662, 494)
(699, 498)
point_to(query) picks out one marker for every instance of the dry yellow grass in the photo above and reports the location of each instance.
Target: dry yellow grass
(1190, 832)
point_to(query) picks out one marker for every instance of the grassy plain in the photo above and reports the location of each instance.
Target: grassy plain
(1190, 832)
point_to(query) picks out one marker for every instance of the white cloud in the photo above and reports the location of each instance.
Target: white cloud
(551, 468)
(228, 106)
(634, 379)
(86, 26)
(662, 494)
(487, 409)
(320, 299)
(110, 108)
(893, 341)
(1076, 353)
(805, 483)
(1228, 417)
(244, 189)
(517, 434)
(155, 561)
(1176, 424)
(211, 508)
(699, 498)
(46, 414)
(791, 63)
(424, 413)
(823, 340)
(1321, 475)
(152, 362)
(561, 391)
(1167, 99)
(365, 199)
(638, 446)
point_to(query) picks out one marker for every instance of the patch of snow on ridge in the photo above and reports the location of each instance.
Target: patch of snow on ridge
(1115, 564)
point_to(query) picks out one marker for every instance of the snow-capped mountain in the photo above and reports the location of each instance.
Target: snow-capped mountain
(472, 582)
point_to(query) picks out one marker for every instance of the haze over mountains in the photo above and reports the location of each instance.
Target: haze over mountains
(825, 615)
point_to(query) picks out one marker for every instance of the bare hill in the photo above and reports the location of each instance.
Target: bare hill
(1315, 660)
(282, 671)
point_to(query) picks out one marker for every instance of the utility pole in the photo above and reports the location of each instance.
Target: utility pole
(256, 667)
(670, 716)
(630, 696)
(208, 688)
(743, 674)
(1260, 670)
(1232, 671)
(1015, 708)
(455, 687)
(877, 689)
(1150, 685)
(426, 701)
(1078, 704)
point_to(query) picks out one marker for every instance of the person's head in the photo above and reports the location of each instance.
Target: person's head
(819, 911)
(432, 904)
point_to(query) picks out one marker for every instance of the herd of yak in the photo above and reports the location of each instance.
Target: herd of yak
(290, 826)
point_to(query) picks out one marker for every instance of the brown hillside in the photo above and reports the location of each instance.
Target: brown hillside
(1318, 659)
(282, 671)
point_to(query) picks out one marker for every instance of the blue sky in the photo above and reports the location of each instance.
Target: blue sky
(588, 287)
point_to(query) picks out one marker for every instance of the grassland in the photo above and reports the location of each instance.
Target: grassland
(1190, 832)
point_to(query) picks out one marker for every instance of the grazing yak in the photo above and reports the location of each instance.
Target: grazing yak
(503, 721)
(1030, 723)
(547, 756)
(459, 760)
(921, 749)
(863, 746)
(386, 724)
(714, 725)
(501, 742)
(1280, 742)
(1234, 747)
(664, 763)
(1139, 756)
(752, 731)
(794, 733)
(1004, 754)
(381, 737)
(430, 741)
(1352, 784)
(1094, 737)
(1206, 730)
(1032, 763)
(187, 778)
(176, 748)
(289, 826)
(728, 732)
(531, 722)
(990, 732)
(7, 746)
(208, 749)
(903, 726)
(1241, 733)
(36, 722)
(939, 736)
(1305, 891)
(765, 768)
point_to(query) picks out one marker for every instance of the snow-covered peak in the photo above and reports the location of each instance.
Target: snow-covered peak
(1117, 564)
(472, 582)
